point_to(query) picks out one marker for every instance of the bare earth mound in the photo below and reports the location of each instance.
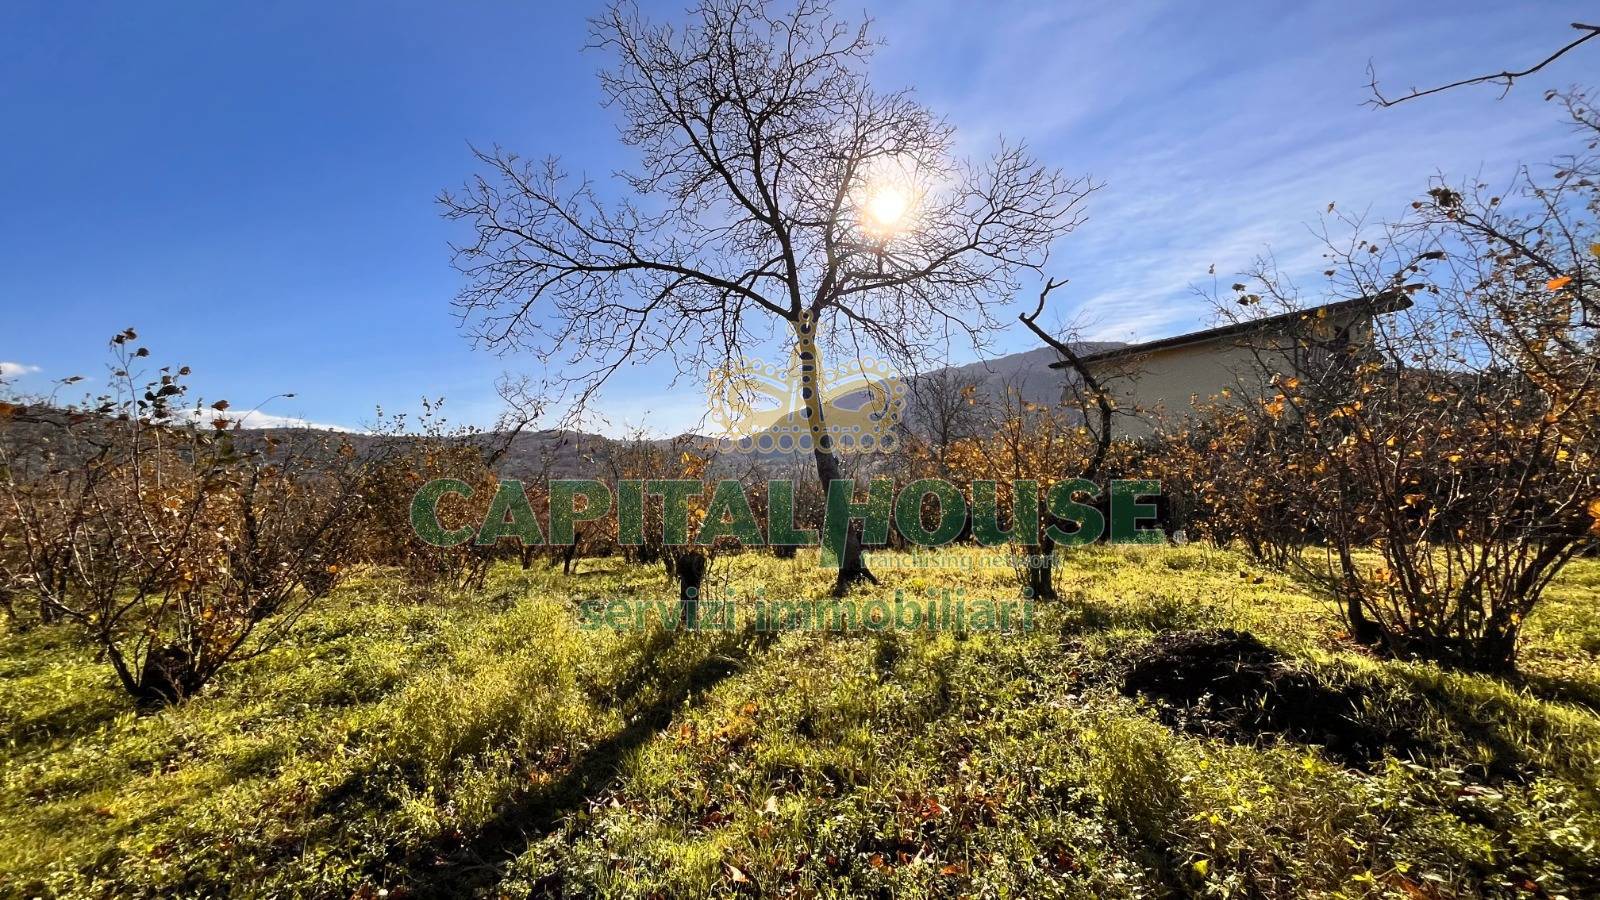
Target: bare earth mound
(1227, 684)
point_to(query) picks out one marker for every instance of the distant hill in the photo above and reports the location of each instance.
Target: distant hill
(1027, 373)
(561, 453)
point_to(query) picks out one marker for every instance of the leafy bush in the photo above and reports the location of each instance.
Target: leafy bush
(1459, 439)
(151, 529)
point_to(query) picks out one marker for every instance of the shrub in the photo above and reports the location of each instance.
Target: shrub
(154, 531)
(1459, 440)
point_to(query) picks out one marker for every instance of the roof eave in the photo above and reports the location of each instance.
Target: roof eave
(1387, 302)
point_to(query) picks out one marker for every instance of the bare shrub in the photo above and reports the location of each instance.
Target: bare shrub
(175, 549)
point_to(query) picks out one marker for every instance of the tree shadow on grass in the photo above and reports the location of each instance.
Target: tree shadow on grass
(1556, 689)
(456, 865)
(1505, 742)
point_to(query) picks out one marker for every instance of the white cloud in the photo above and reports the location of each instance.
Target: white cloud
(255, 419)
(14, 369)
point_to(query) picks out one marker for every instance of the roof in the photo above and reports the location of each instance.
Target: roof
(1391, 301)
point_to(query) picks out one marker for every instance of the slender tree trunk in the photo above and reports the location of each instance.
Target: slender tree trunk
(1362, 629)
(852, 569)
(169, 677)
(691, 569)
(48, 613)
(1041, 582)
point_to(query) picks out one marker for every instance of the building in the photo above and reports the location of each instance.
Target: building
(1155, 384)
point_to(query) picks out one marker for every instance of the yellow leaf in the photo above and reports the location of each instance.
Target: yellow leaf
(1556, 284)
(1594, 250)
(1202, 866)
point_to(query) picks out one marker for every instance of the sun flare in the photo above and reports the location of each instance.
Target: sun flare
(888, 199)
(887, 206)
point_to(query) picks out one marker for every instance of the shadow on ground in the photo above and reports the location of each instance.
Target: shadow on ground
(456, 865)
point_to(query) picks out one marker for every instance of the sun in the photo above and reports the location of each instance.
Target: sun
(886, 208)
(889, 197)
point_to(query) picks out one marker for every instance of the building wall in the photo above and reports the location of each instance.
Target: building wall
(1156, 390)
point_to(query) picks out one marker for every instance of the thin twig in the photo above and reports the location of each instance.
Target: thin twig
(1382, 102)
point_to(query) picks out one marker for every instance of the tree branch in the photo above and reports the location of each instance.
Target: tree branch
(1381, 102)
(1090, 383)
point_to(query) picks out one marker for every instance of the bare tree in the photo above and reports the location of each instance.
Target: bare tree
(775, 191)
(1094, 408)
(523, 407)
(169, 546)
(945, 411)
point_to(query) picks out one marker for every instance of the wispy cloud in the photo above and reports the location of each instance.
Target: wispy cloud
(14, 369)
(1218, 133)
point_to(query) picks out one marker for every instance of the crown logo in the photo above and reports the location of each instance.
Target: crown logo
(763, 408)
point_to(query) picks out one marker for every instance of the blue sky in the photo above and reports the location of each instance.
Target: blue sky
(251, 185)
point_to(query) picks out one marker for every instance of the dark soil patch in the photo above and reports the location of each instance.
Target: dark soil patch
(1227, 684)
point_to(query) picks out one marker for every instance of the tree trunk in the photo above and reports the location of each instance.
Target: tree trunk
(48, 613)
(1040, 577)
(852, 569)
(1499, 653)
(691, 571)
(1362, 630)
(168, 677)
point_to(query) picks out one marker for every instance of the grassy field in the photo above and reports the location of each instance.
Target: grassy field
(491, 744)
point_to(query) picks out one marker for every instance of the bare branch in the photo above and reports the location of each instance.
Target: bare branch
(1091, 385)
(1506, 77)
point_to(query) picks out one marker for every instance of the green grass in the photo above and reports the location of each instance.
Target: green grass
(490, 745)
